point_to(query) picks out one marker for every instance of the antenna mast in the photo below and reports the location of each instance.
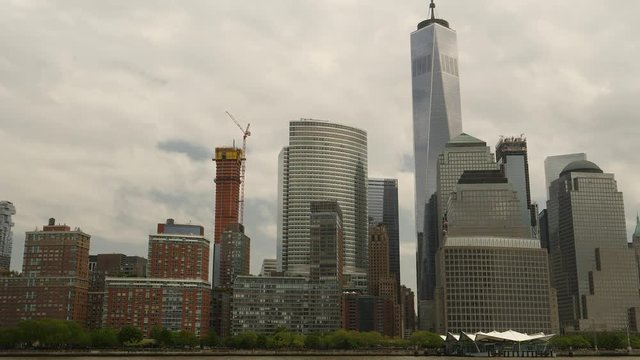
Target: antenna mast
(245, 133)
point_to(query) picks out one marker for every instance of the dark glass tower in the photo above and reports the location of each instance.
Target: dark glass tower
(382, 204)
(436, 119)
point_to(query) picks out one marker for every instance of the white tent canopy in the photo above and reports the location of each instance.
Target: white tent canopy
(496, 336)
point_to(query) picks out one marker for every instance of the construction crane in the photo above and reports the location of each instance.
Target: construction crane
(245, 133)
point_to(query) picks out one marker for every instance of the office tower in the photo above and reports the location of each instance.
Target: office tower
(55, 277)
(511, 156)
(382, 204)
(264, 304)
(553, 165)
(6, 236)
(235, 254)
(593, 270)
(324, 161)
(176, 295)
(463, 152)
(380, 281)
(491, 274)
(269, 267)
(228, 169)
(179, 251)
(636, 233)
(436, 119)
(407, 305)
(326, 241)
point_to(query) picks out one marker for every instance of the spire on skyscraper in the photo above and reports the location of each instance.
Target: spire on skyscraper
(637, 232)
(432, 18)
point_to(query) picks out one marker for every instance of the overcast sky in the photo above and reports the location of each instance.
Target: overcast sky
(110, 110)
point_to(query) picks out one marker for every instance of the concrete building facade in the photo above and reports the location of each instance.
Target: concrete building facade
(491, 274)
(589, 251)
(7, 209)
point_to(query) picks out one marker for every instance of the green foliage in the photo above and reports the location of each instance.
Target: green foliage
(575, 341)
(162, 337)
(185, 339)
(211, 339)
(129, 335)
(246, 340)
(426, 340)
(9, 337)
(104, 338)
(52, 334)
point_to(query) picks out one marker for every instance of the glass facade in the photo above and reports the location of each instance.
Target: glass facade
(589, 251)
(324, 161)
(436, 119)
(382, 203)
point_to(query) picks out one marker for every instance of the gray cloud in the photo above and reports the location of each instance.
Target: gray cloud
(194, 151)
(89, 91)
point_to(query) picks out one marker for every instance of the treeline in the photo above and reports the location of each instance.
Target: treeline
(60, 334)
(601, 340)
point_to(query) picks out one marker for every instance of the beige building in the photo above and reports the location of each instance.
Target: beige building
(593, 270)
(491, 274)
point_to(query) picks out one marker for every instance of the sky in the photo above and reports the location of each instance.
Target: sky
(110, 111)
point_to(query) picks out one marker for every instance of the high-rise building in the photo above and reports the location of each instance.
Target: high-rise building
(176, 295)
(228, 170)
(326, 241)
(179, 251)
(101, 266)
(382, 204)
(491, 274)
(269, 266)
(407, 306)
(235, 254)
(436, 119)
(381, 283)
(55, 277)
(463, 152)
(6, 236)
(589, 252)
(511, 156)
(553, 166)
(324, 161)
(264, 304)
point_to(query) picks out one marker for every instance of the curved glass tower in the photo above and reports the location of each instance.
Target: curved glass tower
(324, 161)
(436, 119)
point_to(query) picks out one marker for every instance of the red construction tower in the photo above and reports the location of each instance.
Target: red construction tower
(228, 181)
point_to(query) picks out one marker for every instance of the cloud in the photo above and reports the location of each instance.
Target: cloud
(193, 151)
(90, 91)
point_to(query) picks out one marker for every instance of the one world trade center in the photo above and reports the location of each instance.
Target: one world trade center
(436, 119)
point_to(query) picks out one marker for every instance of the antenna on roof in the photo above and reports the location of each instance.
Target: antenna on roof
(432, 9)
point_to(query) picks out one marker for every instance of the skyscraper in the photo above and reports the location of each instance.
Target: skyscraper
(436, 119)
(324, 161)
(382, 204)
(228, 168)
(6, 236)
(511, 156)
(463, 152)
(326, 241)
(553, 165)
(491, 274)
(593, 269)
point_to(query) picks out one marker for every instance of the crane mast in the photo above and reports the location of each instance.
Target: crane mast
(245, 133)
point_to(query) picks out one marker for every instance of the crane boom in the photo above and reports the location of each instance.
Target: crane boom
(245, 133)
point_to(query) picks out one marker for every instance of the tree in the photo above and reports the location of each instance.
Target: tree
(104, 338)
(163, 337)
(185, 339)
(129, 334)
(426, 339)
(211, 339)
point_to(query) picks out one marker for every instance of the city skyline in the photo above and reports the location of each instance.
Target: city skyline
(103, 95)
